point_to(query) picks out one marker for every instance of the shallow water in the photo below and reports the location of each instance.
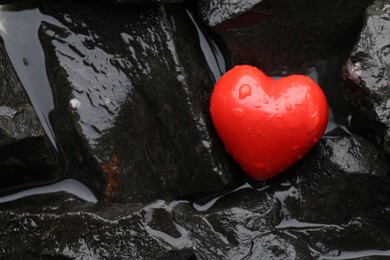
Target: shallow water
(19, 30)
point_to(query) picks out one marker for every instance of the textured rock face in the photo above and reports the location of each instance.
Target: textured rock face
(367, 87)
(131, 103)
(283, 37)
(21, 135)
(320, 208)
(286, 35)
(215, 12)
(132, 100)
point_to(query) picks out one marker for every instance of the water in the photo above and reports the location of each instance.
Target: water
(215, 57)
(70, 186)
(19, 29)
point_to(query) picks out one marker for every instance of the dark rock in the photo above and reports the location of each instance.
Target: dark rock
(142, 1)
(184, 254)
(63, 226)
(367, 78)
(339, 200)
(288, 36)
(112, 1)
(214, 12)
(332, 204)
(131, 95)
(26, 155)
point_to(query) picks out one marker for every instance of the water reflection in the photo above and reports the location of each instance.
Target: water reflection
(19, 31)
(70, 186)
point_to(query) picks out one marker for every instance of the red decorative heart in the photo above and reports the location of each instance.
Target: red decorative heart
(265, 124)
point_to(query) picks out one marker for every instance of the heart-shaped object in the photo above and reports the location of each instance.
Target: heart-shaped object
(265, 124)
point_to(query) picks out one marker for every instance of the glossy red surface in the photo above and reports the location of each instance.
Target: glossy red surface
(265, 124)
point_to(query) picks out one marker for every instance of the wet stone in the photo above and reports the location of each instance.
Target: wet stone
(214, 12)
(64, 227)
(131, 97)
(338, 204)
(366, 87)
(320, 208)
(26, 155)
(122, 114)
(283, 37)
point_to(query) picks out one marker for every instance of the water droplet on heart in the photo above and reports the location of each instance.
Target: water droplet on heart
(313, 122)
(260, 166)
(296, 147)
(238, 112)
(245, 91)
(279, 116)
(258, 105)
(288, 106)
(293, 124)
(265, 101)
(315, 140)
(300, 157)
(314, 114)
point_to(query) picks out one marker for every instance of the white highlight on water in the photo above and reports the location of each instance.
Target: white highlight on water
(70, 186)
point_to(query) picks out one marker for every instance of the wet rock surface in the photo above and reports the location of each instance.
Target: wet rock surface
(131, 103)
(215, 12)
(21, 134)
(367, 87)
(320, 208)
(285, 37)
(131, 98)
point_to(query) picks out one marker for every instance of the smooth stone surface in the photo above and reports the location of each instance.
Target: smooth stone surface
(367, 80)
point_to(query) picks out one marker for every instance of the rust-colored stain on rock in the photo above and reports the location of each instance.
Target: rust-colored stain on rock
(113, 171)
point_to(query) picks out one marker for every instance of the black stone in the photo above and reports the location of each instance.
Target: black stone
(26, 155)
(333, 202)
(283, 37)
(367, 78)
(132, 95)
(2, 2)
(214, 12)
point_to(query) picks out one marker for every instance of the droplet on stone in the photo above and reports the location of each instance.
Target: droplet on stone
(245, 91)
(388, 103)
(265, 101)
(74, 103)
